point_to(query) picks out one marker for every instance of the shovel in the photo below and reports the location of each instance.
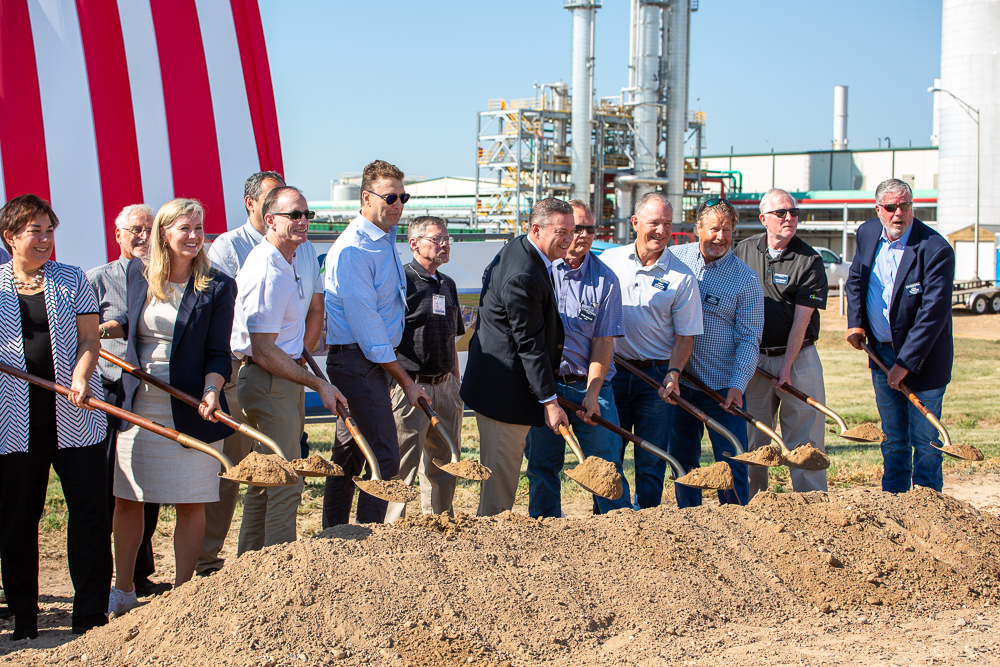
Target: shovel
(610, 484)
(169, 433)
(694, 410)
(948, 448)
(823, 461)
(674, 464)
(226, 419)
(813, 403)
(457, 467)
(393, 490)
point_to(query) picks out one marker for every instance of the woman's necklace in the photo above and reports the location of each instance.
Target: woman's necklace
(34, 283)
(182, 286)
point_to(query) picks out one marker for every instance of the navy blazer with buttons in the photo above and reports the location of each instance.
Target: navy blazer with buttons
(920, 311)
(200, 346)
(515, 352)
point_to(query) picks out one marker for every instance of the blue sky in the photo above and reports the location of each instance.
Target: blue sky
(402, 81)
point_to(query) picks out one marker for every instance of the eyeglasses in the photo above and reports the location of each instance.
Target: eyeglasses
(391, 198)
(440, 240)
(588, 229)
(891, 208)
(297, 214)
(781, 212)
(138, 231)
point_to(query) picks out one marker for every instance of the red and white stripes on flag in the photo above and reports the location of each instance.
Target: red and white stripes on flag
(106, 103)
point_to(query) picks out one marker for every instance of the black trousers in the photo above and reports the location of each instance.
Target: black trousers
(365, 385)
(144, 565)
(25, 477)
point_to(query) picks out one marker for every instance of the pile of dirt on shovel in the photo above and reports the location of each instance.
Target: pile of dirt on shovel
(704, 585)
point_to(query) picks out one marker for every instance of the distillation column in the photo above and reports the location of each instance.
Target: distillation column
(582, 109)
(676, 52)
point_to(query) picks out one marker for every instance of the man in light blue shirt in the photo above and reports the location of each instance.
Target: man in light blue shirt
(365, 297)
(590, 306)
(881, 282)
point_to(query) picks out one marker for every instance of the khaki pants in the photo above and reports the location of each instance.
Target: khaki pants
(501, 447)
(276, 407)
(799, 422)
(420, 444)
(219, 515)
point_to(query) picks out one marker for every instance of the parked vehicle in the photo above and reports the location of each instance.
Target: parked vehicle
(979, 296)
(836, 267)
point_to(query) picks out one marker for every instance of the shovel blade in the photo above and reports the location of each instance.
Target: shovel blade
(390, 490)
(465, 469)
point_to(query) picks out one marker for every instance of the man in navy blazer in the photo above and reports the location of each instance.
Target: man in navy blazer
(514, 354)
(899, 299)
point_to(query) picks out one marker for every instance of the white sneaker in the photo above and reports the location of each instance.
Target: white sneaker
(120, 602)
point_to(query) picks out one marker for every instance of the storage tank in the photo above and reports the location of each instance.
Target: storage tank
(345, 192)
(970, 70)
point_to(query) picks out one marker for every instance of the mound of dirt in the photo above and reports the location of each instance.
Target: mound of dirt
(716, 476)
(967, 452)
(263, 469)
(316, 466)
(598, 476)
(807, 457)
(768, 455)
(867, 431)
(468, 469)
(392, 490)
(763, 584)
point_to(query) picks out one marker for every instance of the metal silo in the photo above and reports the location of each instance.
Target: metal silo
(970, 72)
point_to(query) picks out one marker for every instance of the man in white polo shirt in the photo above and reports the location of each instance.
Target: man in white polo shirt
(662, 310)
(268, 334)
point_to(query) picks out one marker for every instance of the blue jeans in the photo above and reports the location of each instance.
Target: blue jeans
(643, 412)
(907, 455)
(545, 451)
(685, 446)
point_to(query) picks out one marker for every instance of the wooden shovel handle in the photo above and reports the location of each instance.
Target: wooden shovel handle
(738, 411)
(807, 399)
(456, 454)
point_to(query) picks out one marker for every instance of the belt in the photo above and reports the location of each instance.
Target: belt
(780, 351)
(248, 360)
(428, 379)
(344, 348)
(648, 363)
(570, 379)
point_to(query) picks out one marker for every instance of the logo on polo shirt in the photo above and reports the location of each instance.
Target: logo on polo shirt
(661, 284)
(780, 278)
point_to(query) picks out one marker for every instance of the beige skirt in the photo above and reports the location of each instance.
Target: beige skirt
(152, 468)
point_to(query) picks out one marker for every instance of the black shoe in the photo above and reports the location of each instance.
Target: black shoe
(88, 622)
(25, 627)
(209, 571)
(147, 588)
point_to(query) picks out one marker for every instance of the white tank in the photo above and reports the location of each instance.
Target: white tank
(345, 192)
(970, 70)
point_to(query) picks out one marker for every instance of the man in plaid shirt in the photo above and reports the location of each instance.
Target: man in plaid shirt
(725, 355)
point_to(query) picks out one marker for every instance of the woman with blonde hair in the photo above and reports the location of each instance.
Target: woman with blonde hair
(178, 323)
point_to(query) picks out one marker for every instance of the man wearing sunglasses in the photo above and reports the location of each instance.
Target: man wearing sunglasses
(590, 306)
(795, 289)
(228, 254)
(365, 308)
(899, 301)
(662, 311)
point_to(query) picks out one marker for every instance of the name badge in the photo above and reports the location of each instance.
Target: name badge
(780, 278)
(438, 304)
(661, 284)
(914, 289)
(712, 299)
(586, 314)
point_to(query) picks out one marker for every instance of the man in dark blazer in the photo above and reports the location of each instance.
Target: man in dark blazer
(514, 354)
(899, 299)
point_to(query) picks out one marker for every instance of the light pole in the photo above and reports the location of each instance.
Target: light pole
(969, 110)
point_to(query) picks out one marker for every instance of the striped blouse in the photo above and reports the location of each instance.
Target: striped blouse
(67, 294)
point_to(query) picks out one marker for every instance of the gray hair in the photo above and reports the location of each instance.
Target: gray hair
(584, 206)
(892, 186)
(542, 212)
(271, 200)
(419, 225)
(127, 212)
(255, 183)
(774, 193)
(648, 197)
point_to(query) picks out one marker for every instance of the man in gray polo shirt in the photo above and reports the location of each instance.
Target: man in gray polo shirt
(795, 289)
(662, 310)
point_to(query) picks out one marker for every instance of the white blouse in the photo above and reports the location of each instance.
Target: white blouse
(67, 294)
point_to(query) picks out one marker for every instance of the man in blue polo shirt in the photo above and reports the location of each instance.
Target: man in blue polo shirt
(590, 306)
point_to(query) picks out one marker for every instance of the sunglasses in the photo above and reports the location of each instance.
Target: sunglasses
(781, 212)
(891, 208)
(391, 198)
(296, 214)
(709, 203)
(588, 229)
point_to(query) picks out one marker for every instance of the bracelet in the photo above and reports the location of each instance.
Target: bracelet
(673, 370)
(209, 388)
(104, 332)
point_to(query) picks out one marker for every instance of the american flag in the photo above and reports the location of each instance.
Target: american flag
(105, 104)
